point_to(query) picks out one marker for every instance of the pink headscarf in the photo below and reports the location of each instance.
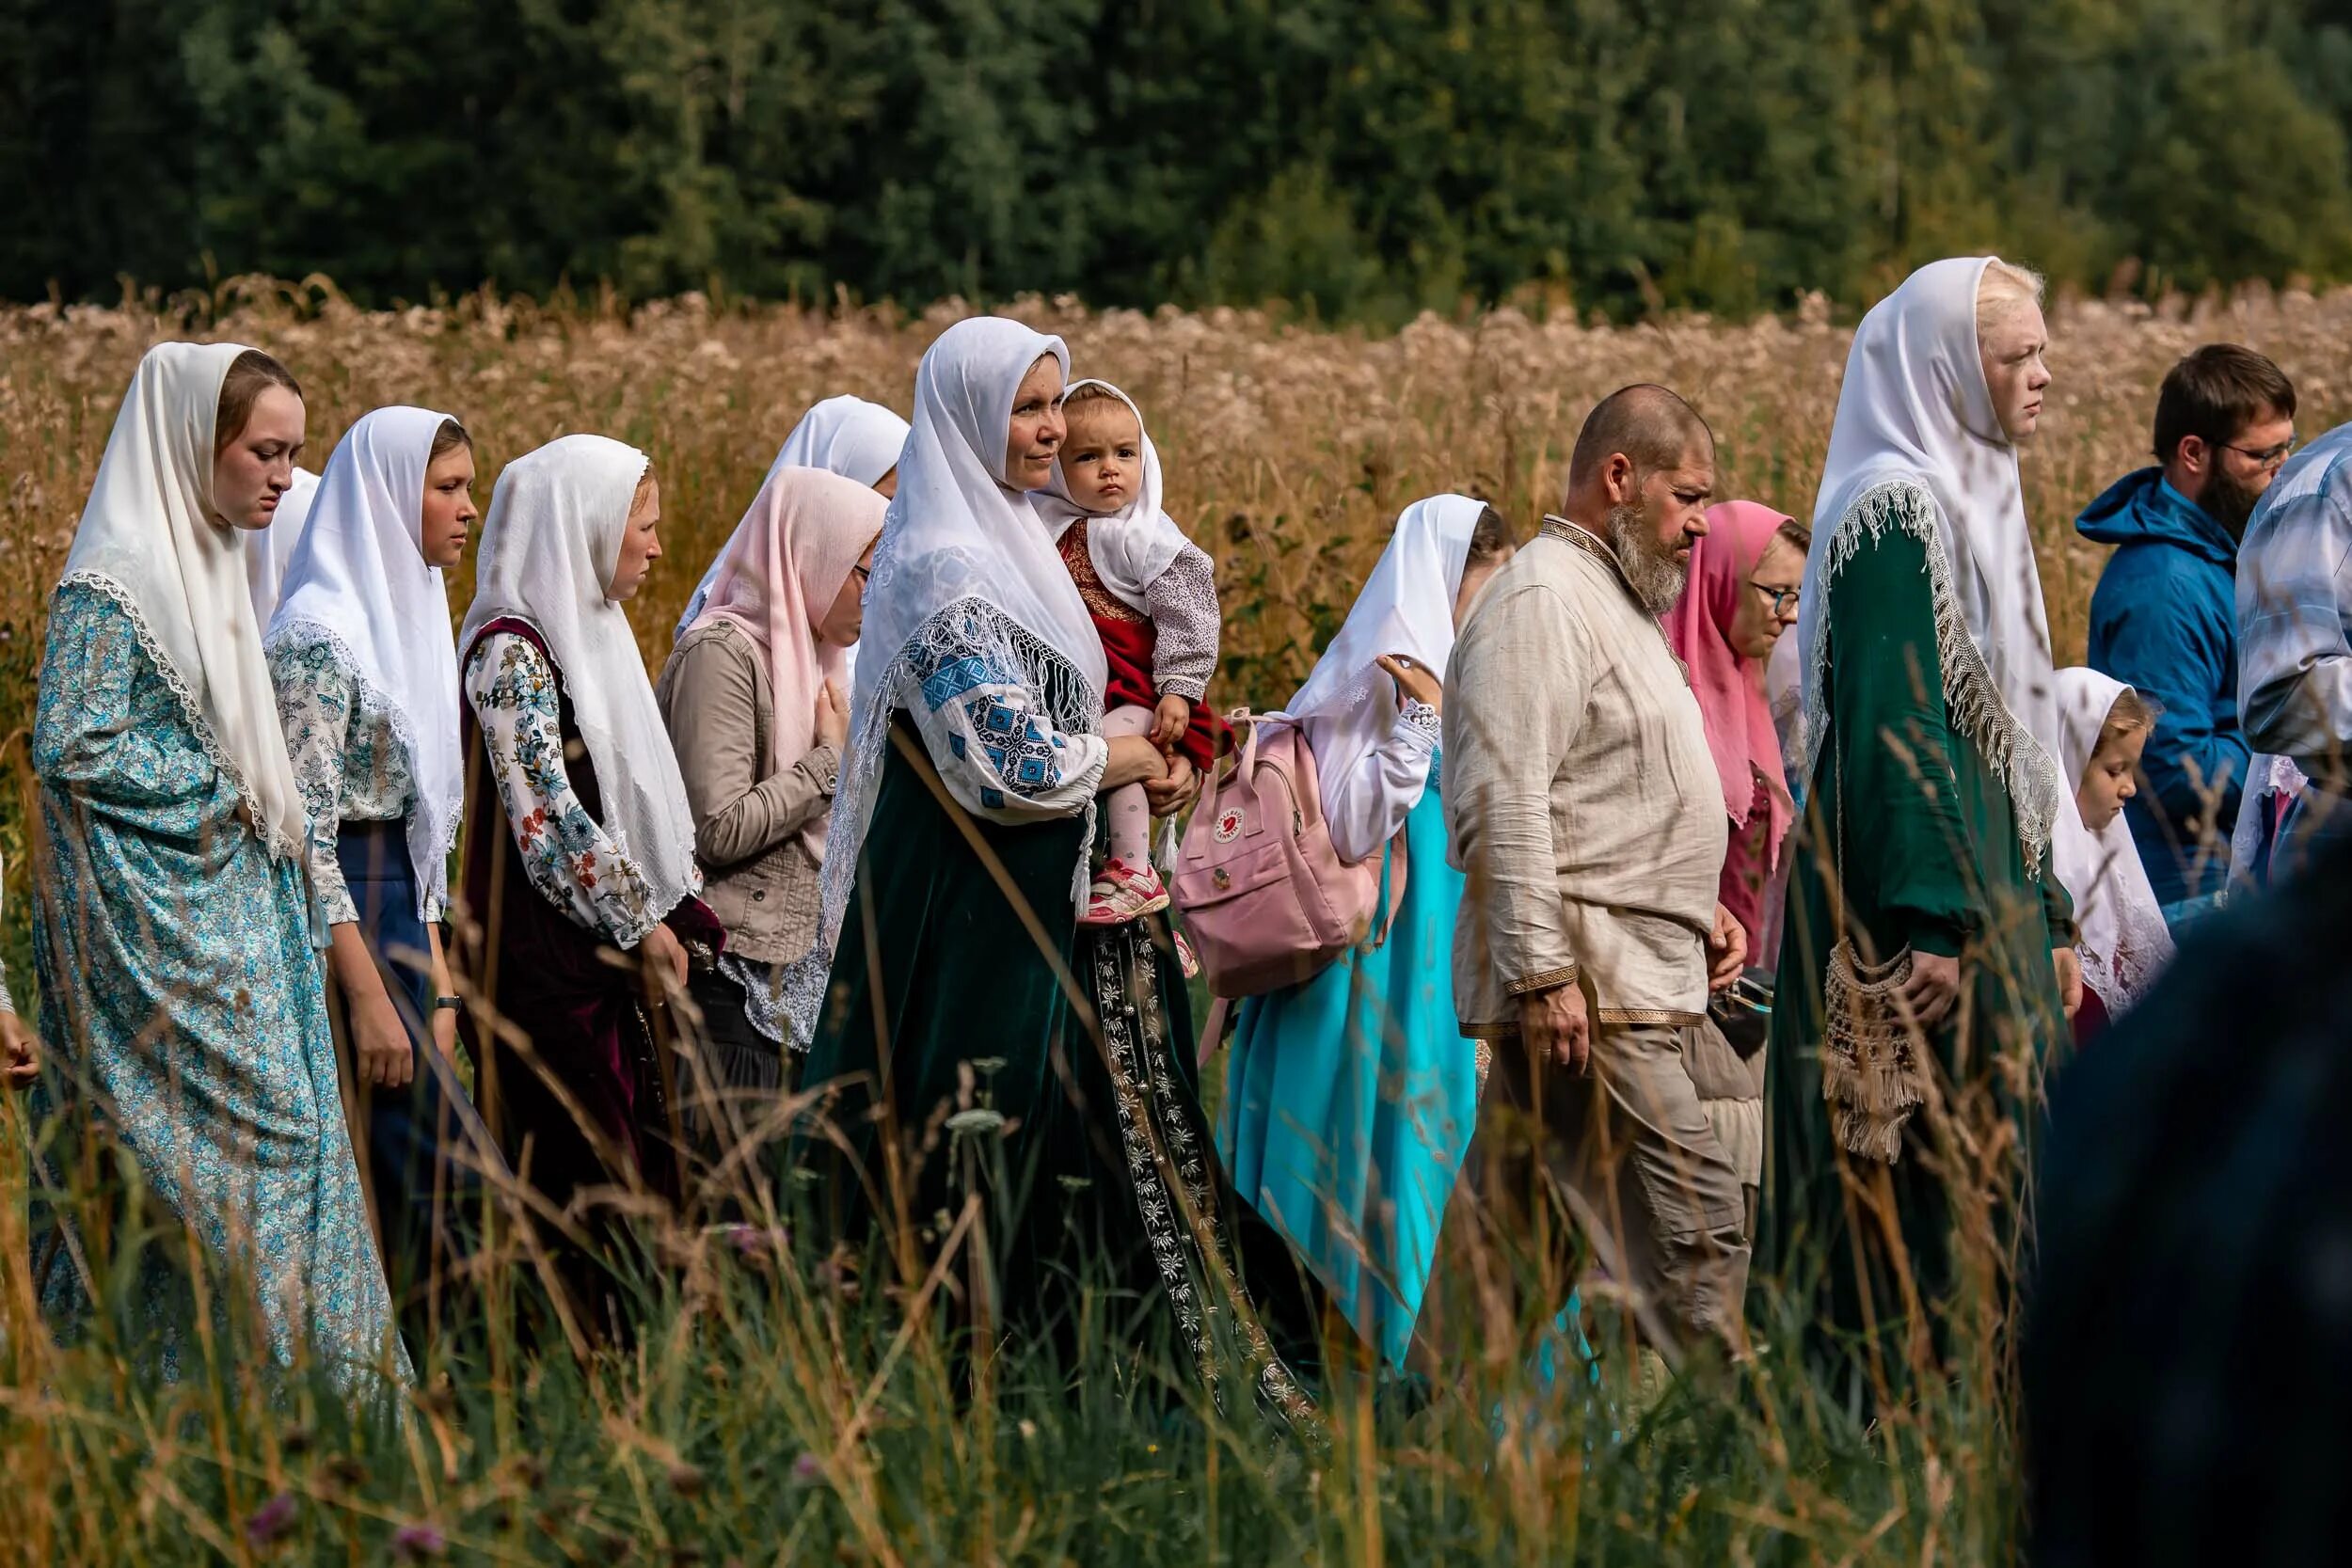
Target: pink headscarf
(777, 581)
(1731, 688)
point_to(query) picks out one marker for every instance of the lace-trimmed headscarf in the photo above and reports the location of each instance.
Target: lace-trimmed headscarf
(1917, 446)
(549, 547)
(2123, 937)
(268, 551)
(1129, 548)
(843, 435)
(150, 539)
(358, 581)
(964, 563)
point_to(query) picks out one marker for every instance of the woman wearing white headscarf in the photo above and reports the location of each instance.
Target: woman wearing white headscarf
(963, 986)
(2124, 941)
(1921, 896)
(580, 874)
(182, 1009)
(757, 702)
(366, 672)
(1350, 1100)
(846, 435)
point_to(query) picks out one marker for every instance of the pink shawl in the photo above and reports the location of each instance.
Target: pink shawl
(1730, 689)
(778, 579)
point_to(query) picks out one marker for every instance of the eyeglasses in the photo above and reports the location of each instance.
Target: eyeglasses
(1783, 599)
(2269, 457)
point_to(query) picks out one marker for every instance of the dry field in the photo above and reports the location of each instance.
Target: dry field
(1288, 451)
(758, 1420)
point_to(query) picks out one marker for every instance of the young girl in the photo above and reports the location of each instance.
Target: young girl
(366, 673)
(1153, 595)
(2102, 727)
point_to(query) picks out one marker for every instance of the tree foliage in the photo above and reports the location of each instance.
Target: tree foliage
(1360, 159)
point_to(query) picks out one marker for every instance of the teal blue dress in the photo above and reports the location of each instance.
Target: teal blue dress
(192, 1088)
(1350, 1101)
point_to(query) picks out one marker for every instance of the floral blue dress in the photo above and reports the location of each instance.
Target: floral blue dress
(183, 1011)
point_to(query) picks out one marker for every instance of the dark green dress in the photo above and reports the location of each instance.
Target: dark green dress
(980, 1042)
(1931, 859)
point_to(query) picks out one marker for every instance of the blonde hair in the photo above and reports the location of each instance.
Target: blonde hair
(1092, 392)
(2131, 714)
(2004, 287)
(1096, 400)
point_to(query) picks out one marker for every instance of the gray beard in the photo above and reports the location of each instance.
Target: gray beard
(1651, 569)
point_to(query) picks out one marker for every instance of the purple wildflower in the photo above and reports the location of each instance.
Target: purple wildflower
(418, 1542)
(272, 1521)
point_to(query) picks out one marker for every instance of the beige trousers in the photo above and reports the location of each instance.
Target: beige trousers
(1624, 1155)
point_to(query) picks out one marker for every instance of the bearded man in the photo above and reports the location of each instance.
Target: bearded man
(1585, 810)
(2164, 618)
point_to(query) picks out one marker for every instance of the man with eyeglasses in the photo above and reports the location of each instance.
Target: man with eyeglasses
(2293, 606)
(2164, 617)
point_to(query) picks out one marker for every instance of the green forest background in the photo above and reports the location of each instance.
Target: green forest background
(1358, 159)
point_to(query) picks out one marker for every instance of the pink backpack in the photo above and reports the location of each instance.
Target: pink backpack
(1267, 901)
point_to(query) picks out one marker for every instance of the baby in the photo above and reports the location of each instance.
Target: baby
(1152, 594)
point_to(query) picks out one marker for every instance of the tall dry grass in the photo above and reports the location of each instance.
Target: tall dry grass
(1288, 451)
(758, 1418)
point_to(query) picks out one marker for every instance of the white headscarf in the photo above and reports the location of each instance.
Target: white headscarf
(1916, 411)
(359, 581)
(964, 562)
(1349, 705)
(150, 541)
(548, 549)
(2124, 943)
(843, 435)
(1132, 546)
(267, 550)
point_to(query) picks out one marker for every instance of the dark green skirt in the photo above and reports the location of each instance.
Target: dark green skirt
(980, 1045)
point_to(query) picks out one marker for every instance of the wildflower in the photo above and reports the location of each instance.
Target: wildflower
(418, 1542)
(273, 1521)
(808, 1471)
(979, 1119)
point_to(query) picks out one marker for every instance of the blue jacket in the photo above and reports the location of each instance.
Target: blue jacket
(2164, 620)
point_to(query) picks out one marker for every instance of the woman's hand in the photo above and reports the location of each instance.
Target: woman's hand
(665, 955)
(2069, 965)
(444, 1019)
(380, 1048)
(1174, 795)
(1133, 760)
(380, 1042)
(1933, 986)
(1415, 681)
(833, 718)
(20, 1062)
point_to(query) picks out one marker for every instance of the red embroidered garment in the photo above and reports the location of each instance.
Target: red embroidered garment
(1129, 641)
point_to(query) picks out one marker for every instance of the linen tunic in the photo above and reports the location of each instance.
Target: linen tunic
(163, 906)
(1583, 799)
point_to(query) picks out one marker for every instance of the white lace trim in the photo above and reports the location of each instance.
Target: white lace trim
(971, 626)
(2032, 778)
(191, 708)
(433, 880)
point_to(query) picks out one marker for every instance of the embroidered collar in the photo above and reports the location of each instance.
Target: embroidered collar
(1580, 537)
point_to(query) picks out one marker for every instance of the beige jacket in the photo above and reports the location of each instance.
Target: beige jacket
(758, 877)
(1580, 799)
